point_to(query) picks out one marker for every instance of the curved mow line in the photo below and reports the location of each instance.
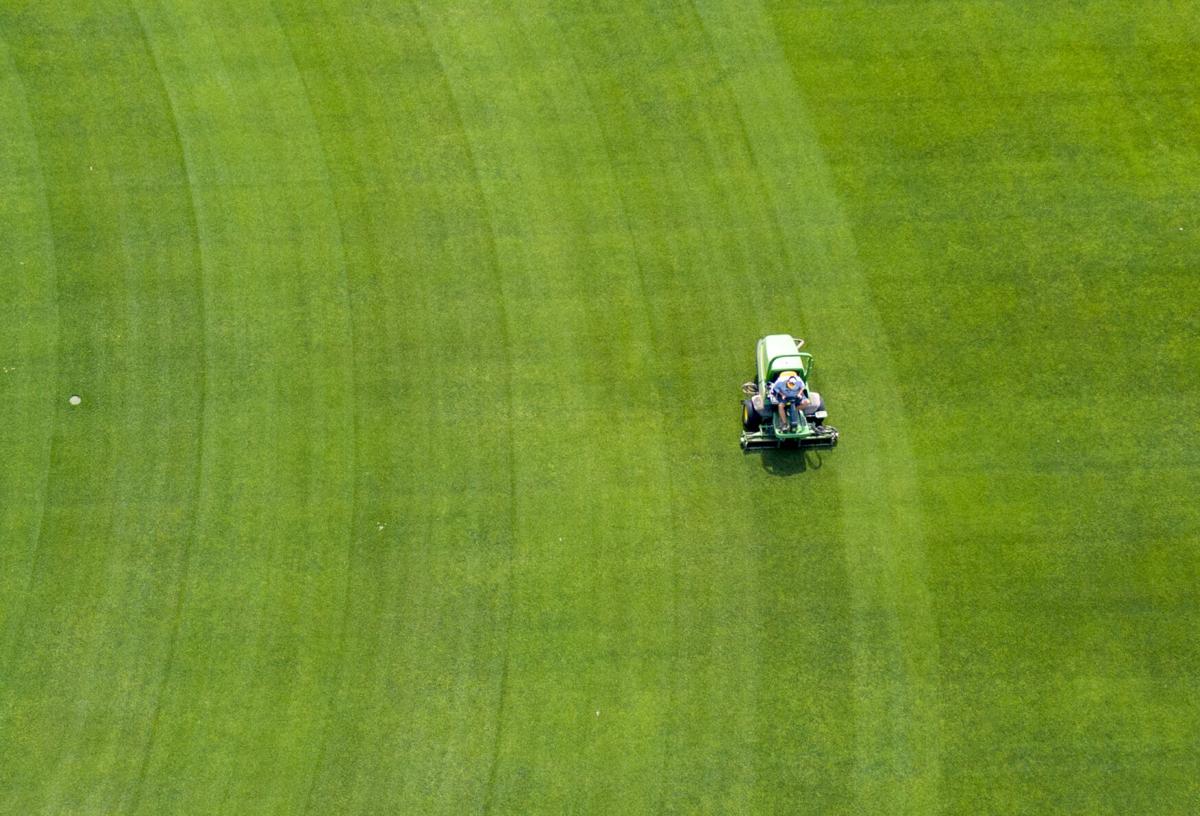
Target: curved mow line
(352, 336)
(655, 343)
(760, 181)
(197, 487)
(506, 341)
(910, 675)
(35, 554)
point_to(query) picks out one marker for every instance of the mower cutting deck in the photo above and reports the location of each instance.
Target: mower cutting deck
(803, 424)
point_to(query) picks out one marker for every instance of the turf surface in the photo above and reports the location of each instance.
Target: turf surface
(405, 478)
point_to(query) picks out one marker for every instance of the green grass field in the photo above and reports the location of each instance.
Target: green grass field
(409, 336)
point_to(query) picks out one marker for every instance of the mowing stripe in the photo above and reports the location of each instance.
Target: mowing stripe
(497, 291)
(713, 673)
(118, 516)
(82, 686)
(30, 393)
(897, 766)
(585, 682)
(539, 25)
(431, 575)
(753, 699)
(545, 167)
(338, 668)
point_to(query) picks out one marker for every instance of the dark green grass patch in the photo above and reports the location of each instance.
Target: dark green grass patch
(1019, 200)
(405, 478)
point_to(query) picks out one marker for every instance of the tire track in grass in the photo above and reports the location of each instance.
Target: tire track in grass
(16, 617)
(895, 640)
(144, 10)
(489, 790)
(340, 680)
(185, 554)
(162, 36)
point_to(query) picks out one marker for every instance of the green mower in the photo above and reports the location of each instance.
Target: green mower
(803, 422)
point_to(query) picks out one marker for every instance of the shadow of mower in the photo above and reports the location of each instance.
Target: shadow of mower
(789, 461)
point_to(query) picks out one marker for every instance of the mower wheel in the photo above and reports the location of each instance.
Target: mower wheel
(750, 417)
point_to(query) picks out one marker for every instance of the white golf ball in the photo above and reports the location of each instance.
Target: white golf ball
(75, 399)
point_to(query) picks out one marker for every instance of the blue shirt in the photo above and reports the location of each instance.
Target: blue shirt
(781, 393)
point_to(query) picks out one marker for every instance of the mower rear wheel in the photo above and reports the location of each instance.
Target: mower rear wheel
(750, 417)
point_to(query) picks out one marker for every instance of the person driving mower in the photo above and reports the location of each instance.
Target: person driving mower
(788, 391)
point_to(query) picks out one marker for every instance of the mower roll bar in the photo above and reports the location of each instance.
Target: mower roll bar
(803, 355)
